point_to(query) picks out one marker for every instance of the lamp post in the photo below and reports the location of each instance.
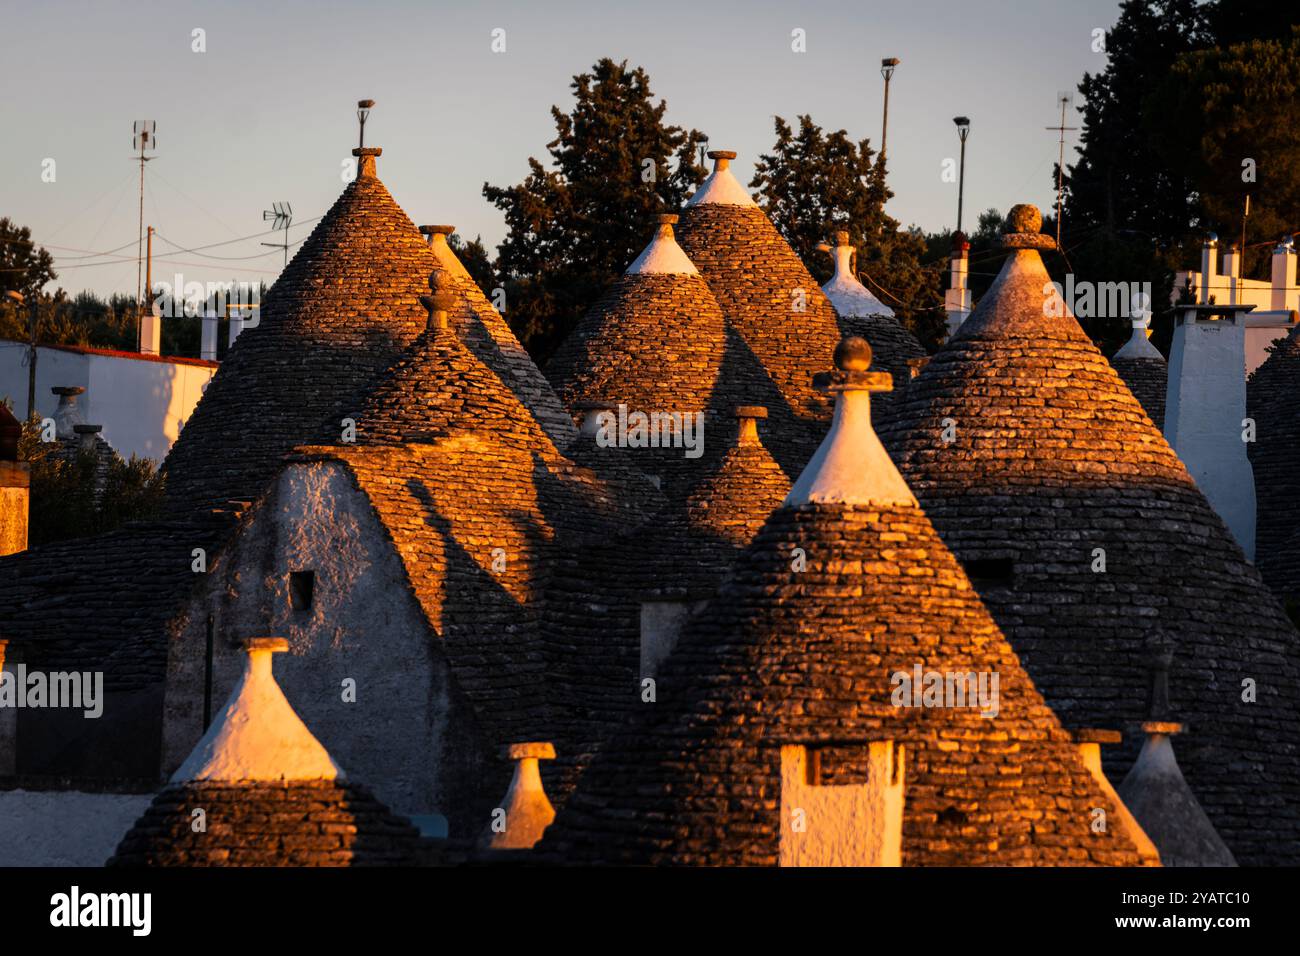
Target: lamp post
(363, 110)
(887, 67)
(963, 130)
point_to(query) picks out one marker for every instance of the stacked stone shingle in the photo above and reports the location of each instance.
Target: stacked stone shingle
(1085, 535)
(1144, 371)
(1271, 394)
(846, 586)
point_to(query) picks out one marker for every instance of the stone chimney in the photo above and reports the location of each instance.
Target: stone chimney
(1232, 272)
(526, 812)
(1089, 743)
(440, 302)
(747, 419)
(15, 487)
(850, 825)
(956, 299)
(1205, 405)
(1284, 290)
(366, 156)
(68, 413)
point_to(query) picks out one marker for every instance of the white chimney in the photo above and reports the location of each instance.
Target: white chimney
(1205, 406)
(1284, 291)
(1232, 272)
(850, 825)
(208, 339)
(956, 300)
(151, 331)
(526, 812)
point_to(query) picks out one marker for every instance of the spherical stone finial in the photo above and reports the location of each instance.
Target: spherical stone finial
(841, 237)
(443, 297)
(1024, 218)
(853, 354)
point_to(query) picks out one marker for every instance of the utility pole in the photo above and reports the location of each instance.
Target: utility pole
(963, 130)
(31, 356)
(1064, 100)
(887, 67)
(148, 274)
(143, 139)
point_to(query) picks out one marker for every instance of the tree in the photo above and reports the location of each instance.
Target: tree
(474, 257)
(1229, 121)
(813, 183)
(574, 227)
(24, 267)
(1120, 182)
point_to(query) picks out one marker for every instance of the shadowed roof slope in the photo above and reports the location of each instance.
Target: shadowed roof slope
(790, 653)
(342, 312)
(1085, 534)
(1272, 396)
(782, 325)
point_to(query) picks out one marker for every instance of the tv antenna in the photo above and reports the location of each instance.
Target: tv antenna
(280, 215)
(143, 140)
(1065, 98)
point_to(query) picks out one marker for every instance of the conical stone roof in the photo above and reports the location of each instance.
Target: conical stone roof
(343, 310)
(439, 387)
(655, 342)
(1271, 397)
(846, 586)
(260, 790)
(780, 324)
(1144, 370)
(1085, 534)
(862, 314)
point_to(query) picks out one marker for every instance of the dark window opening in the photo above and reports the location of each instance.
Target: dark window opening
(302, 588)
(951, 816)
(991, 572)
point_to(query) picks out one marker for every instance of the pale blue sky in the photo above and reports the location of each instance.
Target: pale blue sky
(267, 113)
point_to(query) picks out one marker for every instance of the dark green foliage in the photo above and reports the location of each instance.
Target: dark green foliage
(813, 183)
(574, 226)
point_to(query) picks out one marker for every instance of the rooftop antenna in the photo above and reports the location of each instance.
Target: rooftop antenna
(143, 139)
(280, 214)
(363, 111)
(1065, 99)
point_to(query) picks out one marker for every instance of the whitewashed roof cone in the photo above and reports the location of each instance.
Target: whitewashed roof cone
(258, 736)
(447, 259)
(849, 296)
(526, 811)
(1139, 345)
(722, 187)
(851, 466)
(1157, 795)
(663, 255)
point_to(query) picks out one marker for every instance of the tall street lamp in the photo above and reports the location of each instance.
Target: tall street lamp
(887, 71)
(963, 130)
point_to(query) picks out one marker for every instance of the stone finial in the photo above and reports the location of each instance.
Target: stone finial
(526, 812)
(1021, 229)
(68, 413)
(747, 418)
(842, 237)
(721, 158)
(439, 230)
(87, 435)
(441, 301)
(667, 218)
(1090, 741)
(1160, 651)
(257, 736)
(366, 164)
(851, 466)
